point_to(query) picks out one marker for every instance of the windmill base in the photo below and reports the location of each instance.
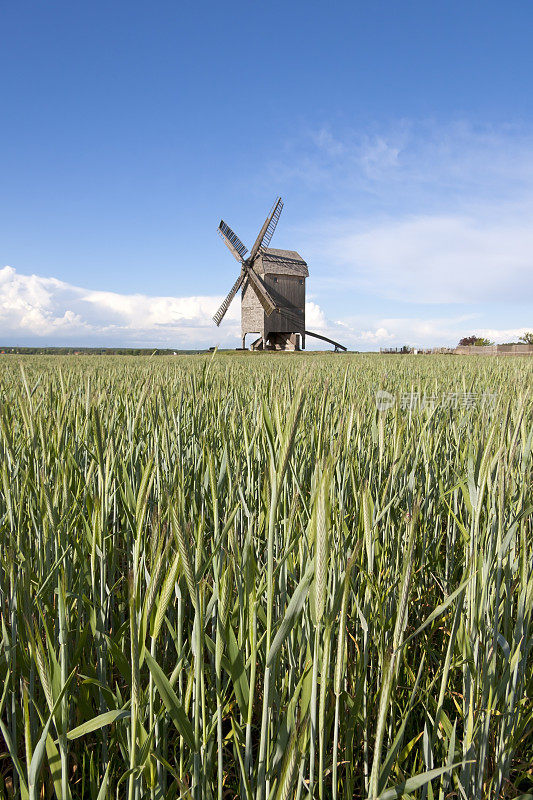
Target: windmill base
(279, 341)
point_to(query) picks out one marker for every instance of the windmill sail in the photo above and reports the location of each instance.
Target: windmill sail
(272, 225)
(219, 316)
(264, 298)
(267, 231)
(232, 241)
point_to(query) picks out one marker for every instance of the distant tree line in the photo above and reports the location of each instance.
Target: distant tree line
(93, 351)
(480, 341)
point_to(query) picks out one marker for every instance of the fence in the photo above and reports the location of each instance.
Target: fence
(471, 350)
(496, 350)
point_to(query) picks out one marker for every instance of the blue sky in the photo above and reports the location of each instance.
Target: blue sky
(400, 136)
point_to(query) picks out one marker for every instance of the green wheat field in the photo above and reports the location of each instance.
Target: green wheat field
(233, 576)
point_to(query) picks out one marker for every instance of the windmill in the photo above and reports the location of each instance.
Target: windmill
(273, 289)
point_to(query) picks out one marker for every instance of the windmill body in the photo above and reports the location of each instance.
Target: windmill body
(273, 290)
(283, 273)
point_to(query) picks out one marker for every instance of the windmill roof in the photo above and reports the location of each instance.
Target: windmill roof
(283, 262)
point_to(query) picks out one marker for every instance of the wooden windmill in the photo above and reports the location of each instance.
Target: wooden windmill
(273, 290)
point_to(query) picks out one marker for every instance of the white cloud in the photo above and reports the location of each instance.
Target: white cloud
(315, 319)
(35, 309)
(358, 334)
(440, 259)
(418, 163)
(39, 309)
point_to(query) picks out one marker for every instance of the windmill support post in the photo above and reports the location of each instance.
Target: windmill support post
(338, 347)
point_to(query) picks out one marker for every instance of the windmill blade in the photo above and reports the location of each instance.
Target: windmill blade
(267, 231)
(232, 241)
(219, 316)
(264, 298)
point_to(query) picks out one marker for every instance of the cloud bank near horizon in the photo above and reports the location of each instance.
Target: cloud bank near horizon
(419, 234)
(41, 310)
(37, 310)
